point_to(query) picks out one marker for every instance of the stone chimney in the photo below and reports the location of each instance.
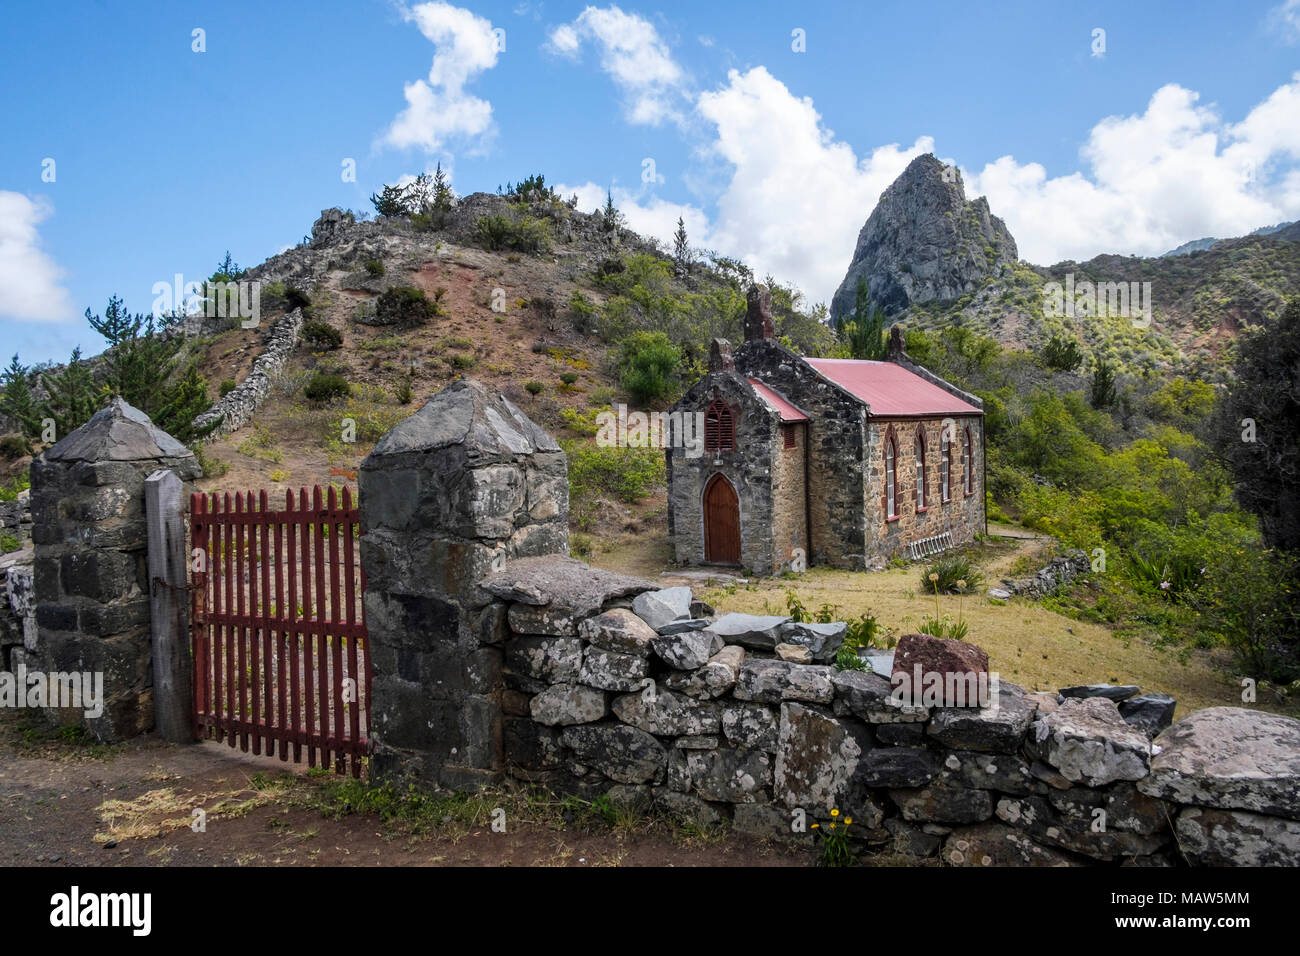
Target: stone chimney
(720, 357)
(758, 315)
(896, 350)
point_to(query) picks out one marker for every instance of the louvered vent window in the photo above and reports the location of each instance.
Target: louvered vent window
(719, 427)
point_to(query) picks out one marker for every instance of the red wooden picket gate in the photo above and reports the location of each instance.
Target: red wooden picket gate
(280, 646)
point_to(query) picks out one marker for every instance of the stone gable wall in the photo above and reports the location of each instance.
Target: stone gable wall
(748, 467)
(703, 720)
(836, 448)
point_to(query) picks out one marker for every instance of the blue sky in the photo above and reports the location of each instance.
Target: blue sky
(1186, 124)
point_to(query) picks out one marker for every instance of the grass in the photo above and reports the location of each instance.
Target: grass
(455, 815)
(1027, 644)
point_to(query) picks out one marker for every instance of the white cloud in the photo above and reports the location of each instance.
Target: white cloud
(1285, 18)
(439, 110)
(634, 56)
(645, 214)
(1155, 180)
(29, 277)
(797, 197)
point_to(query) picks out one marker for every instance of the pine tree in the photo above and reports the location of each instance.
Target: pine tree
(73, 396)
(143, 365)
(391, 201)
(1102, 386)
(864, 329)
(681, 251)
(612, 217)
(18, 403)
(443, 197)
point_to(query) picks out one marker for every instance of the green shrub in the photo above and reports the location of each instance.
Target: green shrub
(525, 234)
(1250, 601)
(569, 378)
(403, 392)
(944, 627)
(9, 542)
(1062, 353)
(295, 298)
(321, 335)
(460, 360)
(326, 387)
(405, 306)
(847, 659)
(375, 267)
(648, 366)
(227, 386)
(14, 446)
(947, 572)
(534, 388)
(628, 474)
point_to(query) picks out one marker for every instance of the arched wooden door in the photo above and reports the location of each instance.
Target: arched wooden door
(721, 522)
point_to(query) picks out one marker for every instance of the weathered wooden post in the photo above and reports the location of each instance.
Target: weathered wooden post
(169, 620)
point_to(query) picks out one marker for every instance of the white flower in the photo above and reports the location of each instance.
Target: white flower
(1164, 585)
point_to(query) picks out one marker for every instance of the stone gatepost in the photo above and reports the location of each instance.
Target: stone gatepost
(447, 496)
(91, 563)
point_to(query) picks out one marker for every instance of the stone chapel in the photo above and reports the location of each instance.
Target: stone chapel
(808, 461)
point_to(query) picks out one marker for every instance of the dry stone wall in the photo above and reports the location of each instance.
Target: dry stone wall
(237, 408)
(740, 719)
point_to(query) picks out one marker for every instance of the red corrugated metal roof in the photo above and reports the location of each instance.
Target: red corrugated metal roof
(890, 389)
(778, 402)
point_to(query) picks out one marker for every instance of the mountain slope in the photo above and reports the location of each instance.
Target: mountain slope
(920, 254)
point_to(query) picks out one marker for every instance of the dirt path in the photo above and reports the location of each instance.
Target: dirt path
(66, 804)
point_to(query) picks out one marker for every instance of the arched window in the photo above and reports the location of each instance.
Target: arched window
(891, 477)
(968, 463)
(945, 464)
(719, 427)
(920, 468)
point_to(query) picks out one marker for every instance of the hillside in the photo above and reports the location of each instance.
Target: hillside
(1201, 300)
(520, 319)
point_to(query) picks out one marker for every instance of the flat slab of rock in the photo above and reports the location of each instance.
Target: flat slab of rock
(762, 632)
(995, 844)
(715, 678)
(772, 681)
(662, 607)
(1213, 837)
(666, 714)
(1088, 741)
(689, 624)
(688, 650)
(1149, 713)
(869, 697)
(609, 670)
(1115, 692)
(794, 653)
(816, 759)
(822, 640)
(562, 704)
(620, 752)
(573, 587)
(618, 630)
(999, 729)
(898, 767)
(943, 803)
(1232, 758)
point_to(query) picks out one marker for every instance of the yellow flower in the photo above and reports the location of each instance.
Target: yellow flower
(814, 826)
(832, 826)
(848, 820)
